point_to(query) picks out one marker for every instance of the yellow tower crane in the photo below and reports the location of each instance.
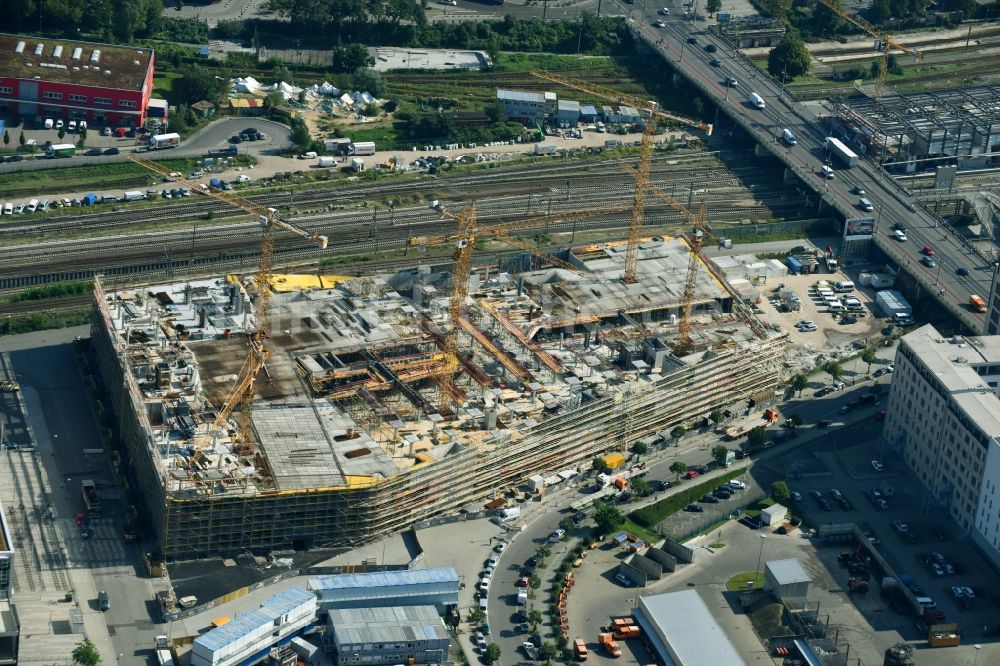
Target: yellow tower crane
(884, 44)
(464, 240)
(242, 393)
(642, 182)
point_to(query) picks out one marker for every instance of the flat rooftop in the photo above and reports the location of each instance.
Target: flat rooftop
(388, 624)
(68, 61)
(684, 632)
(357, 387)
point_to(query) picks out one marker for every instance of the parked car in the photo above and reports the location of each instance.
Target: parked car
(93, 152)
(877, 465)
(694, 508)
(111, 151)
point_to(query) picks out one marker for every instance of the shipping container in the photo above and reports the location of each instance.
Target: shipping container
(158, 142)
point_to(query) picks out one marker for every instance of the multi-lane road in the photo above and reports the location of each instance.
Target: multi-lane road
(685, 43)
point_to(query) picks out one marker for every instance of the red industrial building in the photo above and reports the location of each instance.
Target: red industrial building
(58, 78)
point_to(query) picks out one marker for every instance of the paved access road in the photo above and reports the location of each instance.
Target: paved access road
(694, 450)
(892, 203)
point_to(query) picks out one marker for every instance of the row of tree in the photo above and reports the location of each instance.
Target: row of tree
(106, 20)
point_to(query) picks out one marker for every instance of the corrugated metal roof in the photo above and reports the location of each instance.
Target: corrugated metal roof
(521, 96)
(692, 635)
(787, 572)
(252, 620)
(387, 624)
(384, 579)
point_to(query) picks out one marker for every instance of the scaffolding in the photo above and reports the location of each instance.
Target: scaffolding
(921, 131)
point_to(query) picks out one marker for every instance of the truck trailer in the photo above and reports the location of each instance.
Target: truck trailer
(61, 150)
(842, 152)
(363, 148)
(161, 141)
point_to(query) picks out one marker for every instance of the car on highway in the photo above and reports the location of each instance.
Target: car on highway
(711, 48)
(899, 235)
(94, 152)
(826, 172)
(732, 82)
(664, 11)
(877, 465)
(715, 62)
(865, 205)
(928, 250)
(928, 261)
(659, 24)
(962, 270)
(692, 40)
(857, 189)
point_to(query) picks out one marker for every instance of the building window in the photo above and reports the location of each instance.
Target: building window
(127, 103)
(53, 95)
(6, 90)
(102, 100)
(78, 98)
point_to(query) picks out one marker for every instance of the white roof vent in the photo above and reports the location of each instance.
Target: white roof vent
(135, 62)
(77, 52)
(107, 72)
(39, 48)
(19, 48)
(95, 56)
(76, 68)
(86, 66)
(57, 51)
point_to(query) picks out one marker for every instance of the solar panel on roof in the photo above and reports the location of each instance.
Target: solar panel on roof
(39, 48)
(19, 48)
(77, 52)
(57, 51)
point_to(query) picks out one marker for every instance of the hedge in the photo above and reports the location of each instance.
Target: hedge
(653, 514)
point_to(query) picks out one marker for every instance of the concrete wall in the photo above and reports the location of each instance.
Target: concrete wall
(682, 553)
(637, 576)
(663, 558)
(647, 566)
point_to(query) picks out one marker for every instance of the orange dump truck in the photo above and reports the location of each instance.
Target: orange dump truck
(977, 303)
(579, 649)
(608, 641)
(627, 632)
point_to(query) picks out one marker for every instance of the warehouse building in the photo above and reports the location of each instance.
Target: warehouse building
(10, 628)
(436, 587)
(943, 419)
(567, 113)
(250, 636)
(528, 107)
(64, 79)
(387, 635)
(683, 632)
(353, 434)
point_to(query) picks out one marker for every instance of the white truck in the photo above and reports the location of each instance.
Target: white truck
(842, 152)
(134, 195)
(363, 148)
(325, 162)
(161, 141)
(510, 513)
(756, 101)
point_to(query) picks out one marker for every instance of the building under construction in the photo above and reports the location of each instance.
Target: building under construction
(362, 425)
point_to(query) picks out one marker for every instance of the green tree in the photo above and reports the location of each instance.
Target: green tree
(368, 79)
(549, 652)
(567, 523)
(6, 139)
(641, 487)
(300, 135)
(476, 616)
(534, 582)
(719, 453)
(677, 433)
(789, 58)
(492, 653)
(607, 517)
(639, 448)
(21, 140)
(85, 654)
(351, 58)
(826, 22)
(678, 468)
(799, 383)
(780, 492)
(599, 465)
(195, 84)
(228, 29)
(61, 133)
(493, 50)
(712, 6)
(83, 135)
(495, 112)
(834, 369)
(868, 356)
(756, 438)
(879, 11)
(717, 416)
(534, 619)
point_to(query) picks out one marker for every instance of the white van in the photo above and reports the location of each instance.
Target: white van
(845, 285)
(8, 209)
(311, 155)
(865, 205)
(837, 307)
(789, 138)
(926, 602)
(49, 123)
(756, 101)
(32, 205)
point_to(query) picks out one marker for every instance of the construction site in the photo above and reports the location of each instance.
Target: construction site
(274, 412)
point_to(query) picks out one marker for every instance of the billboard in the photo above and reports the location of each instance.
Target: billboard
(859, 228)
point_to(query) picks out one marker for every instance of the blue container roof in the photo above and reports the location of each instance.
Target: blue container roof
(385, 579)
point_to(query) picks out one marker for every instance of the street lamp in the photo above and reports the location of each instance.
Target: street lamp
(763, 538)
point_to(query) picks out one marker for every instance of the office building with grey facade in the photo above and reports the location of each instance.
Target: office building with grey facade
(387, 636)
